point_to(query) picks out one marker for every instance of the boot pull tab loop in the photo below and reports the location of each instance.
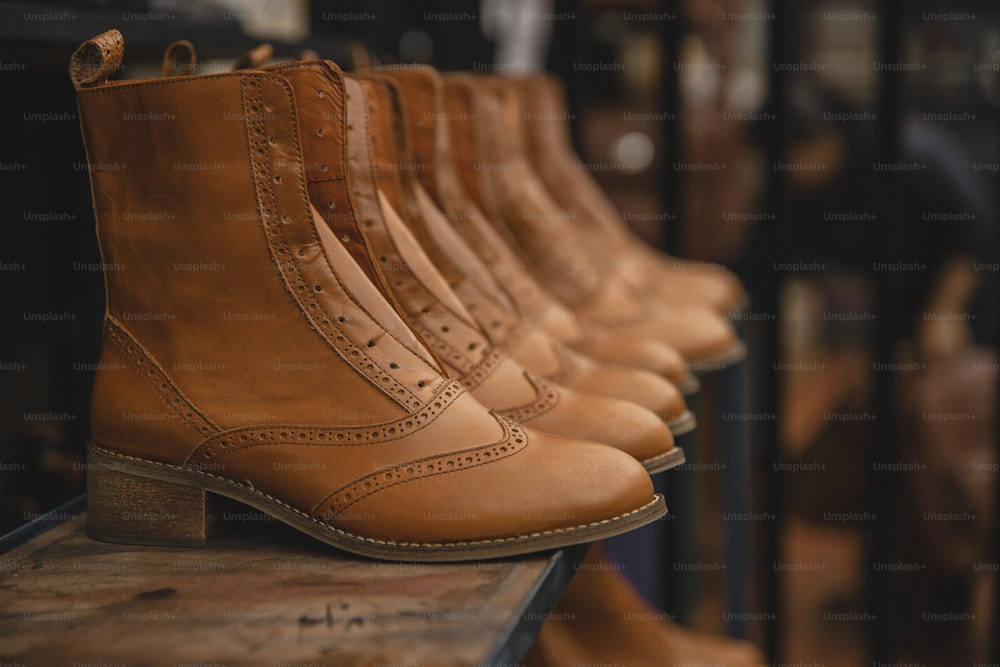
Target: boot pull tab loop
(255, 57)
(97, 59)
(174, 59)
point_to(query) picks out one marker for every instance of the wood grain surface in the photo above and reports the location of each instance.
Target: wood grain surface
(263, 594)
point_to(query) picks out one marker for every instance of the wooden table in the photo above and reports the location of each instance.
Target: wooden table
(261, 594)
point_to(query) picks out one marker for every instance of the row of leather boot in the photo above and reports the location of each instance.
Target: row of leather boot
(384, 308)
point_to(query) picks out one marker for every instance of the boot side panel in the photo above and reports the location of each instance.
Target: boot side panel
(200, 216)
(137, 410)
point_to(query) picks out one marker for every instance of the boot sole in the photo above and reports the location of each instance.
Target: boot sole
(683, 423)
(137, 501)
(671, 459)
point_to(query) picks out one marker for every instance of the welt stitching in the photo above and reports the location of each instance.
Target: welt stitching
(369, 540)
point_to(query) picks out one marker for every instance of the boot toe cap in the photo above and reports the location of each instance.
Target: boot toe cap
(641, 387)
(552, 484)
(620, 424)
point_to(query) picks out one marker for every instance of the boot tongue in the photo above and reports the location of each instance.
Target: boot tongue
(455, 155)
(435, 231)
(366, 292)
(419, 265)
(396, 168)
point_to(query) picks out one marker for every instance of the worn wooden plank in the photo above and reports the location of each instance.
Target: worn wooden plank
(263, 594)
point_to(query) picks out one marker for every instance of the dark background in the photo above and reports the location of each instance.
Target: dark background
(743, 112)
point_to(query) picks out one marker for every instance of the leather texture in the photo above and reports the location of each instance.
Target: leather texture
(443, 150)
(243, 343)
(482, 295)
(602, 620)
(378, 191)
(97, 59)
(551, 154)
(587, 281)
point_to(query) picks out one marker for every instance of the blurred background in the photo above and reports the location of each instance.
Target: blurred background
(842, 155)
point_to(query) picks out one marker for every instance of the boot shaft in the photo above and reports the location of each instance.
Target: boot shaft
(221, 278)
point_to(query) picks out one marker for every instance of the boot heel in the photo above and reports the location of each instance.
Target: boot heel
(134, 509)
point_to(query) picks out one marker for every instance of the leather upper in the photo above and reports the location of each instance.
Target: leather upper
(587, 280)
(242, 340)
(550, 151)
(444, 147)
(413, 93)
(378, 185)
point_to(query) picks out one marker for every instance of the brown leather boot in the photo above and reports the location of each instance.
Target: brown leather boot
(526, 214)
(485, 300)
(438, 175)
(600, 225)
(247, 355)
(601, 619)
(362, 193)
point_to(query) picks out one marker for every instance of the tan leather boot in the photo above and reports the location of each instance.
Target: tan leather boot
(380, 242)
(431, 123)
(485, 300)
(247, 355)
(591, 285)
(601, 619)
(553, 159)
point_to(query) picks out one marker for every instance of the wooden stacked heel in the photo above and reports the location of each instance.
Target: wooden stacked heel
(126, 508)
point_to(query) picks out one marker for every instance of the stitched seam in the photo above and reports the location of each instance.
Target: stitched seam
(484, 370)
(114, 330)
(548, 398)
(443, 349)
(327, 72)
(341, 499)
(289, 270)
(352, 196)
(213, 447)
(115, 86)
